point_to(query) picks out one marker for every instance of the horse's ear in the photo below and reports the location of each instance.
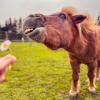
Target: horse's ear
(78, 18)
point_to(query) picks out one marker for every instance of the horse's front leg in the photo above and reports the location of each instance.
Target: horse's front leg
(75, 77)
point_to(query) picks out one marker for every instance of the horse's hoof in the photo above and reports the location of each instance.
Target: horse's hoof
(92, 90)
(73, 93)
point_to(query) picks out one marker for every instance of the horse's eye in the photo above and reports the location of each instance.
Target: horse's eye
(62, 16)
(31, 15)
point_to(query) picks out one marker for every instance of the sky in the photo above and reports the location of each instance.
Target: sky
(22, 8)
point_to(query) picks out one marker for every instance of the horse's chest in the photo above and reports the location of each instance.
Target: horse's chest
(87, 54)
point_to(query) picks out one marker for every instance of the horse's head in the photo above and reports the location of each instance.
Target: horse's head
(52, 30)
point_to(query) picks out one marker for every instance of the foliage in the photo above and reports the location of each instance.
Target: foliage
(98, 20)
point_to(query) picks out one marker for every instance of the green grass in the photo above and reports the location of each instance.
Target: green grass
(42, 74)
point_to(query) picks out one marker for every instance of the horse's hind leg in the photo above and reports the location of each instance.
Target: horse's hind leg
(97, 71)
(91, 75)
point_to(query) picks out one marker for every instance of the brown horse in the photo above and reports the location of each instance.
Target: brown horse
(76, 33)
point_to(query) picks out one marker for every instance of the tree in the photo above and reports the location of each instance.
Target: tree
(19, 25)
(98, 20)
(0, 27)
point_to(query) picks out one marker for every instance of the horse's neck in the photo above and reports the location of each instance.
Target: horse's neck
(79, 41)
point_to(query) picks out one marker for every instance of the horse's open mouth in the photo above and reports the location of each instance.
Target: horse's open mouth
(37, 34)
(28, 31)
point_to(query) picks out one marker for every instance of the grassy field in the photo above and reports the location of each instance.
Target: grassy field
(42, 74)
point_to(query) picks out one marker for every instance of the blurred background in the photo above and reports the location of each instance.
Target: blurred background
(13, 11)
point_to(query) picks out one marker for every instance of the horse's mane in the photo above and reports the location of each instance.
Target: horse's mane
(87, 24)
(85, 27)
(69, 10)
